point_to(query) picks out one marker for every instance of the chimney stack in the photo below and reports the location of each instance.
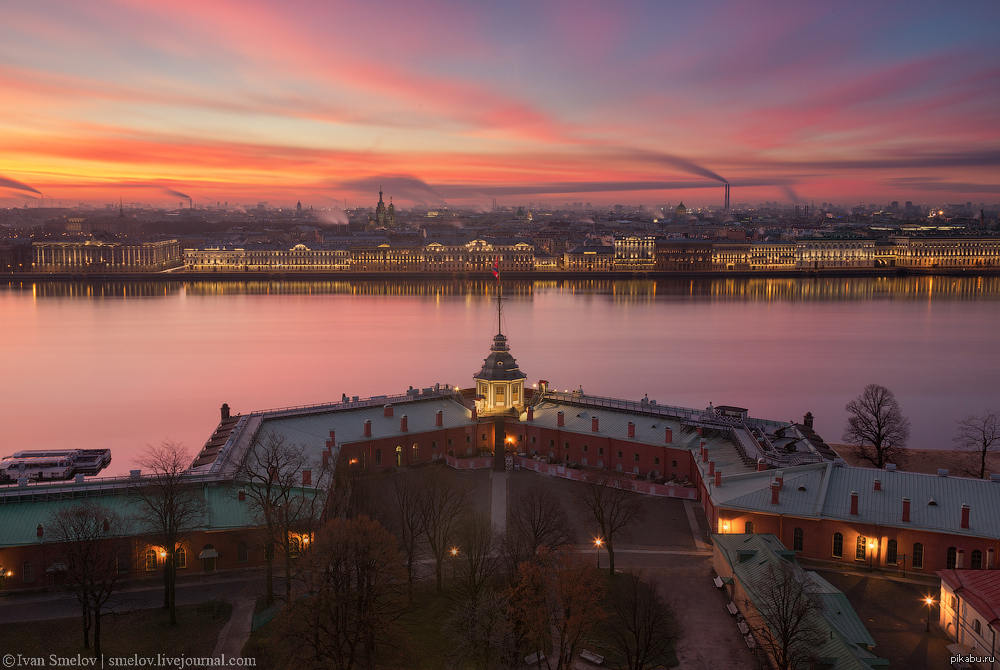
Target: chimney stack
(560, 418)
(593, 424)
(774, 493)
(668, 435)
(965, 515)
(878, 484)
(439, 418)
(225, 411)
(475, 414)
(307, 477)
(711, 468)
(368, 428)
(531, 414)
(402, 424)
(779, 477)
(718, 478)
(906, 510)
(387, 410)
(854, 503)
(807, 420)
(631, 429)
(761, 465)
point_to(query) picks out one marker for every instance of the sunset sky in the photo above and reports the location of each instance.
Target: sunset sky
(522, 101)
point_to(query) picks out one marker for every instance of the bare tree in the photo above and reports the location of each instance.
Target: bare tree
(355, 594)
(979, 434)
(442, 504)
(612, 505)
(91, 542)
(641, 628)
(785, 617)
(284, 506)
(402, 516)
(555, 604)
(480, 634)
(877, 427)
(478, 558)
(169, 505)
(540, 519)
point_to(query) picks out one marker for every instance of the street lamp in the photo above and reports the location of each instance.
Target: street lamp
(454, 555)
(871, 554)
(930, 603)
(597, 543)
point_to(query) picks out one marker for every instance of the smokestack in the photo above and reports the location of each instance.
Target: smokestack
(727, 197)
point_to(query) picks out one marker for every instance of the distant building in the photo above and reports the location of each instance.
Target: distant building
(382, 217)
(106, 257)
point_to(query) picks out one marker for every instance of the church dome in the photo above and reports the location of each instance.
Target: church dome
(681, 209)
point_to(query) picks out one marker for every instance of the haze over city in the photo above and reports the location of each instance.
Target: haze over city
(463, 103)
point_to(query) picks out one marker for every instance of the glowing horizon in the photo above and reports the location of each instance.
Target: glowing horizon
(459, 103)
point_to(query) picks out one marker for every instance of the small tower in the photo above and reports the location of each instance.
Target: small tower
(500, 384)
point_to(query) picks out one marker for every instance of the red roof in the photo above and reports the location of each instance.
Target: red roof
(980, 588)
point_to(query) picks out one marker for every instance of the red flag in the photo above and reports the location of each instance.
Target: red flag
(496, 267)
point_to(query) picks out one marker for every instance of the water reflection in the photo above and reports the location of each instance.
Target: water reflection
(750, 289)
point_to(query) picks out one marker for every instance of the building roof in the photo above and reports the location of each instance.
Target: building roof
(500, 364)
(980, 588)
(823, 490)
(752, 556)
(19, 518)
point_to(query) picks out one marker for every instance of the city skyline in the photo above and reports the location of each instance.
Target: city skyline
(455, 103)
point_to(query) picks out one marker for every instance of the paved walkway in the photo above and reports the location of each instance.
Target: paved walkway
(498, 500)
(236, 632)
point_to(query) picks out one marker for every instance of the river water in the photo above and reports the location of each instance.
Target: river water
(122, 365)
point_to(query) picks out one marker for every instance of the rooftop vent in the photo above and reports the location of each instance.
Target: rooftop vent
(942, 472)
(891, 467)
(932, 502)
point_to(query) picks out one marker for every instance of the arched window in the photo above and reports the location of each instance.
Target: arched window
(977, 560)
(952, 558)
(378, 457)
(859, 552)
(28, 572)
(797, 536)
(399, 455)
(150, 560)
(891, 553)
(838, 545)
(748, 527)
(416, 453)
(918, 555)
(180, 558)
(976, 626)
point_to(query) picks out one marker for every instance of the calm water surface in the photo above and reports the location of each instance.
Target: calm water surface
(125, 365)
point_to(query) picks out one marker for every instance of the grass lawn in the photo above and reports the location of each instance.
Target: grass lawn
(144, 632)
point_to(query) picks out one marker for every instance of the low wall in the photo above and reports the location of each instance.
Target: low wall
(469, 463)
(578, 475)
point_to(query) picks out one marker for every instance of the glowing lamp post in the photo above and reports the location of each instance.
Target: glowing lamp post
(871, 554)
(930, 603)
(597, 543)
